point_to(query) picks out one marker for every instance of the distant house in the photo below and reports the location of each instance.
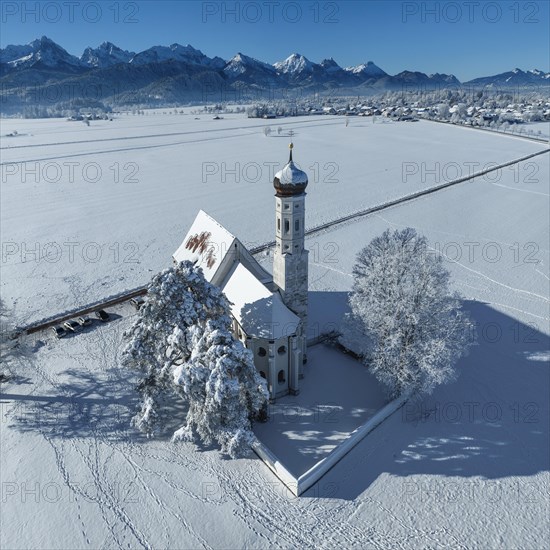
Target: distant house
(269, 312)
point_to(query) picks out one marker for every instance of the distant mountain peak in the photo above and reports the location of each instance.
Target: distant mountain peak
(252, 71)
(329, 62)
(42, 51)
(42, 40)
(187, 47)
(368, 69)
(176, 52)
(294, 64)
(105, 55)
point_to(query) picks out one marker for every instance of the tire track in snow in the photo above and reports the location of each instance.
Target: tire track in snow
(301, 124)
(123, 150)
(483, 276)
(519, 189)
(140, 147)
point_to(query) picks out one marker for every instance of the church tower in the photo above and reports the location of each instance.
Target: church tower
(290, 262)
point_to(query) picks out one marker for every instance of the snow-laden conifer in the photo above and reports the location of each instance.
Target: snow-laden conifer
(182, 342)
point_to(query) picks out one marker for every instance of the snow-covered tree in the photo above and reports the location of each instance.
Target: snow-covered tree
(443, 110)
(222, 387)
(181, 342)
(413, 327)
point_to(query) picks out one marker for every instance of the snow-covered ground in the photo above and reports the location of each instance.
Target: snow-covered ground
(466, 468)
(539, 129)
(91, 217)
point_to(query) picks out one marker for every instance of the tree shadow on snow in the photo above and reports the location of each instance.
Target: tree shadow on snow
(491, 423)
(90, 404)
(86, 404)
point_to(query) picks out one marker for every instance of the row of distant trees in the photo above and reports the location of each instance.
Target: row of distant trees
(533, 105)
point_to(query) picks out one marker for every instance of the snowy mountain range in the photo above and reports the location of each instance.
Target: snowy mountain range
(517, 77)
(182, 73)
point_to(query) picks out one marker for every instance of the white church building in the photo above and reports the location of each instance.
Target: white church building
(269, 311)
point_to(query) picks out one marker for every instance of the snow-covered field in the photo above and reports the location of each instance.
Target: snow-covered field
(539, 129)
(92, 217)
(466, 468)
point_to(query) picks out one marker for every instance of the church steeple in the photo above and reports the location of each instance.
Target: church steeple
(290, 262)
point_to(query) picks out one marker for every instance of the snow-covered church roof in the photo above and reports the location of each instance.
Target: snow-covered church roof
(206, 244)
(216, 250)
(259, 311)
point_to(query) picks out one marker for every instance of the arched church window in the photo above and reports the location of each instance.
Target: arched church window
(262, 352)
(281, 350)
(281, 377)
(263, 375)
(296, 225)
(278, 224)
(287, 226)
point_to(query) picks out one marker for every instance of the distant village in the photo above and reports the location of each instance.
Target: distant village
(482, 109)
(504, 111)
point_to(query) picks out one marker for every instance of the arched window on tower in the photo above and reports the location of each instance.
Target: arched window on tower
(281, 377)
(287, 226)
(296, 225)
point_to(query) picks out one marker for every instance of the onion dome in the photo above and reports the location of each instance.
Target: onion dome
(290, 180)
